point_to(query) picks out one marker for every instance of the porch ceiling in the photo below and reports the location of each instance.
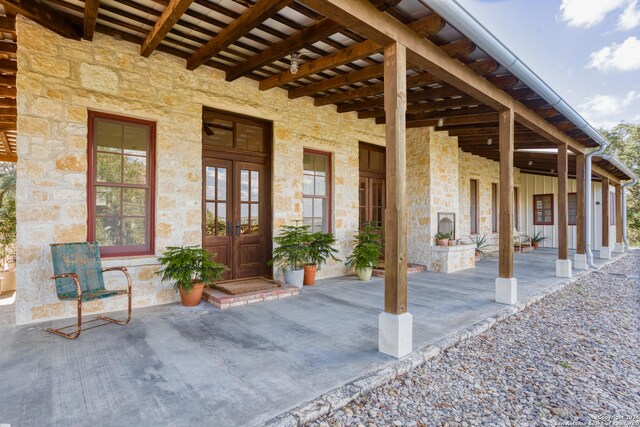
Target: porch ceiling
(254, 39)
(8, 68)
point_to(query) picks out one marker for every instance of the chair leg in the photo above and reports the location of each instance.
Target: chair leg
(71, 335)
(120, 322)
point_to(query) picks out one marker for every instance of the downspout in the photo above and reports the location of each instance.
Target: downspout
(588, 195)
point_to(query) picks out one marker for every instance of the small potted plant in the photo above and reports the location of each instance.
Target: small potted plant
(536, 239)
(481, 245)
(189, 267)
(366, 251)
(442, 239)
(319, 250)
(291, 253)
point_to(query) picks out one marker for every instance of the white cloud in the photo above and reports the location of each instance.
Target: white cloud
(608, 110)
(630, 18)
(617, 57)
(587, 13)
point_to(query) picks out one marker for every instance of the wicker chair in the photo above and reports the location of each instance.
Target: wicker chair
(79, 277)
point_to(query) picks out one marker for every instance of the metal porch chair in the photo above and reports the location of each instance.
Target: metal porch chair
(79, 277)
(521, 240)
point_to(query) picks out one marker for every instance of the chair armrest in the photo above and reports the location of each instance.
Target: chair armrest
(73, 276)
(125, 271)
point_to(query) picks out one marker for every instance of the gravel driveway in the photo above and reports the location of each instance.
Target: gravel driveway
(571, 359)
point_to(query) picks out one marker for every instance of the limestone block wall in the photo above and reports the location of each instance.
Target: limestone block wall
(419, 238)
(60, 80)
(444, 173)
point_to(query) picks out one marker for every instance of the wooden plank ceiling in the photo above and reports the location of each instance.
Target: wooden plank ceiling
(8, 68)
(256, 38)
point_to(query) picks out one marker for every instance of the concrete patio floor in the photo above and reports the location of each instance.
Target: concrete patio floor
(174, 365)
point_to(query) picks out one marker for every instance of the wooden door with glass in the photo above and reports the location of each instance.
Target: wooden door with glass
(372, 185)
(236, 196)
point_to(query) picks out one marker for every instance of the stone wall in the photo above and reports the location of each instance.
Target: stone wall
(60, 80)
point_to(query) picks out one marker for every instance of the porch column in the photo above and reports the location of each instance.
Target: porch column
(563, 263)
(395, 333)
(619, 220)
(605, 250)
(506, 284)
(580, 259)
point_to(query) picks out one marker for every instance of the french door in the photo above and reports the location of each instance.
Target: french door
(235, 216)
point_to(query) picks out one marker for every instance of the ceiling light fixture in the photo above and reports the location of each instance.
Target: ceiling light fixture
(530, 163)
(295, 63)
(440, 122)
(489, 141)
(553, 170)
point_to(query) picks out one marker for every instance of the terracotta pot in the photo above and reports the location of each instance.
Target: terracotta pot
(310, 274)
(477, 256)
(193, 297)
(535, 245)
(442, 242)
(452, 242)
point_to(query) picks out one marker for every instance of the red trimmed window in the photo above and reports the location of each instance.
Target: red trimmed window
(543, 209)
(473, 206)
(494, 207)
(572, 201)
(121, 184)
(316, 199)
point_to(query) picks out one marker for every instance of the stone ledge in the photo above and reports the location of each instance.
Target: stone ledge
(222, 300)
(341, 396)
(455, 248)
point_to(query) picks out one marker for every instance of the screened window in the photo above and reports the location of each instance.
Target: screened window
(317, 191)
(572, 201)
(494, 207)
(121, 188)
(543, 209)
(612, 209)
(473, 206)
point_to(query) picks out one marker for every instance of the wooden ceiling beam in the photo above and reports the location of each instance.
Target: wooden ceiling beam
(8, 47)
(428, 25)
(295, 42)
(7, 92)
(255, 15)
(46, 16)
(457, 120)
(426, 94)
(425, 107)
(7, 24)
(6, 80)
(90, 18)
(435, 115)
(171, 14)
(5, 143)
(7, 103)
(11, 158)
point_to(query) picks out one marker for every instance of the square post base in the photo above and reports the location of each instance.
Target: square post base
(619, 248)
(395, 334)
(506, 290)
(563, 268)
(605, 252)
(580, 262)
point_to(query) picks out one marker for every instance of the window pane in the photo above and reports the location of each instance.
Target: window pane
(364, 158)
(210, 219)
(244, 218)
(221, 222)
(244, 185)
(210, 183)
(255, 217)
(308, 185)
(218, 132)
(376, 162)
(108, 135)
(136, 139)
(255, 182)
(320, 186)
(307, 207)
(135, 170)
(222, 183)
(108, 231)
(134, 200)
(249, 137)
(109, 167)
(308, 162)
(107, 201)
(134, 231)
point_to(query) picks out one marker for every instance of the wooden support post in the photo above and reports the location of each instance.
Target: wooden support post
(395, 324)
(395, 97)
(506, 141)
(580, 201)
(619, 219)
(563, 206)
(506, 284)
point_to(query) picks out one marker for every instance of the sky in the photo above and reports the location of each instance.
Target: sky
(588, 51)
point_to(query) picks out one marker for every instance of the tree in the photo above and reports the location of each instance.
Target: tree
(7, 213)
(625, 144)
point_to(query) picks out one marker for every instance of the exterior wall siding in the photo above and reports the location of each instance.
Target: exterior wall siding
(60, 80)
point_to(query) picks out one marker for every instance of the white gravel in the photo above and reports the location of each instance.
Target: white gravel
(572, 359)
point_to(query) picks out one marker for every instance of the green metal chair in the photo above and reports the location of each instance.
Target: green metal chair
(79, 277)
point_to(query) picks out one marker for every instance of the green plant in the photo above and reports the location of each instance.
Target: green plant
(187, 265)
(320, 248)
(440, 236)
(7, 214)
(538, 237)
(481, 244)
(291, 251)
(367, 249)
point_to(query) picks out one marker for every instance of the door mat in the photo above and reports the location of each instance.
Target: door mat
(245, 286)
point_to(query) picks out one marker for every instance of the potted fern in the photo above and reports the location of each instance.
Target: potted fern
(366, 251)
(291, 253)
(189, 267)
(319, 250)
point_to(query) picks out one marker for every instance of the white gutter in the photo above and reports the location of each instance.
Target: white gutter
(634, 180)
(458, 17)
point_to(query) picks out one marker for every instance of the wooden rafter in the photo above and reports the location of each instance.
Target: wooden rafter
(163, 25)
(458, 120)
(429, 25)
(47, 17)
(5, 142)
(426, 94)
(250, 19)
(90, 18)
(7, 24)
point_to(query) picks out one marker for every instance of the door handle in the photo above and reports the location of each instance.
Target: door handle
(238, 228)
(229, 228)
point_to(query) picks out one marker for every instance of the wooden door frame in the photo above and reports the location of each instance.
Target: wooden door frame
(266, 159)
